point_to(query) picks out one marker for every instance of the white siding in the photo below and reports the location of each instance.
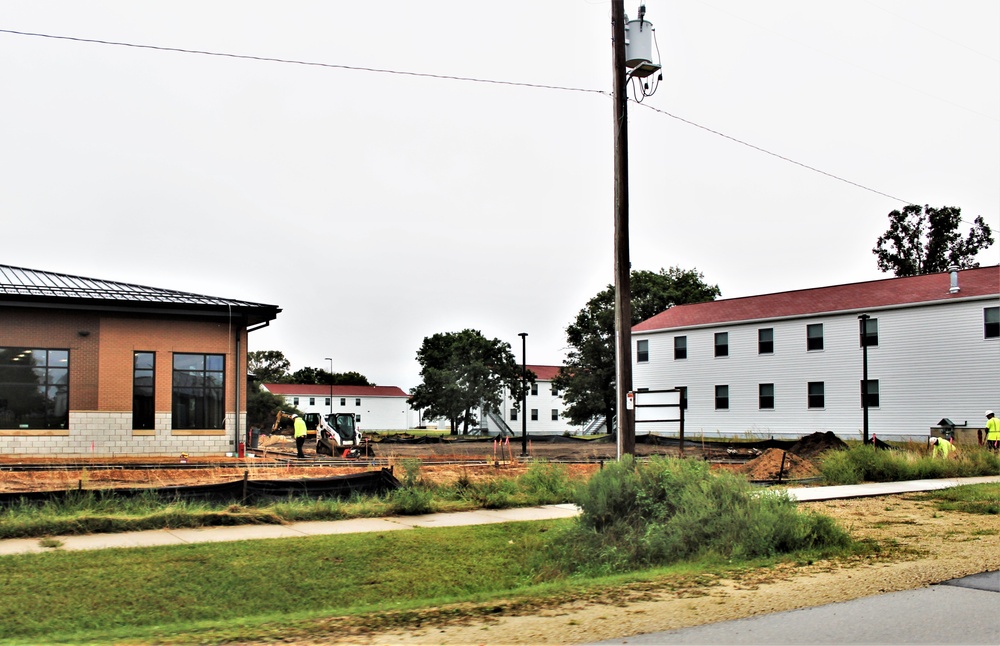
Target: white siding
(932, 361)
(377, 413)
(544, 402)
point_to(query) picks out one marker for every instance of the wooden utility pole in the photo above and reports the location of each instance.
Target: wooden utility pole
(623, 267)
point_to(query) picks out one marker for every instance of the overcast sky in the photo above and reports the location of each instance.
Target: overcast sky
(379, 208)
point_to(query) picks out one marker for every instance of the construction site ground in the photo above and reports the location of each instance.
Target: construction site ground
(441, 462)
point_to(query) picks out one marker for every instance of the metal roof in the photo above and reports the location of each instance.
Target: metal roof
(47, 286)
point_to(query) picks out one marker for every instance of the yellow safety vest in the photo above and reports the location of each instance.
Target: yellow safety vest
(300, 427)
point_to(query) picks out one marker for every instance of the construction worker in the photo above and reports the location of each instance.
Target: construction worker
(942, 447)
(992, 431)
(299, 425)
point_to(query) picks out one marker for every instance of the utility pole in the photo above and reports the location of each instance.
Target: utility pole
(623, 266)
(524, 393)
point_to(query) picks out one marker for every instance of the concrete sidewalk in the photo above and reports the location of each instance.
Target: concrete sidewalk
(156, 537)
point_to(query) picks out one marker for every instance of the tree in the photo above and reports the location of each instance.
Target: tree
(926, 240)
(587, 380)
(262, 406)
(460, 372)
(322, 377)
(267, 366)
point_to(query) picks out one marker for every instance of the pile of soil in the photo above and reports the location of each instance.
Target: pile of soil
(768, 466)
(812, 445)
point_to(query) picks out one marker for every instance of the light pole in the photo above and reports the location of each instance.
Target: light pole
(863, 322)
(330, 359)
(524, 393)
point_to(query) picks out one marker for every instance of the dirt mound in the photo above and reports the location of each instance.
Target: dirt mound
(812, 445)
(768, 465)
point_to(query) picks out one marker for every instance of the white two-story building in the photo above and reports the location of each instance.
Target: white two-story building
(791, 364)
(375, 408)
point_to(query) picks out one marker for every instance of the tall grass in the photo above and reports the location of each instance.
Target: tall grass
(863, 463)
(646, 514)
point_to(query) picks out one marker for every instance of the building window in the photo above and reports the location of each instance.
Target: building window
(327, 402)
(683, 396)
(765, 396)
(312, 401)
(680, 347)
(143, 390)
(817, 394)
(869, 335)
(295, 401)
(871, 392)
(722, 344)
(513, 414)
(642, 351)
(199, 399)
(555, 391)
(357, 418)
(555, 414)
(34, 388)
(343, 401)
(765, 340)
(991, 322)
(814, 336)
(534, 389)
(357, 401)
(534, 414)
(721, 397)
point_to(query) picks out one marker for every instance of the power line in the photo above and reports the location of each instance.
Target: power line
(298, 62)
(768, 152)
(449, 78)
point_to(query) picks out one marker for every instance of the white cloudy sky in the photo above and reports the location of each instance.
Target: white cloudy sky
(376, 209)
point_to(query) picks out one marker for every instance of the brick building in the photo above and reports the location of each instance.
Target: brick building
(99, 368)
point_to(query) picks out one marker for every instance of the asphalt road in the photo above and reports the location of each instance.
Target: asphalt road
(962, 611)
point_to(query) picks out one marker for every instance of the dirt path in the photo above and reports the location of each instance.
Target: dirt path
(930, 547)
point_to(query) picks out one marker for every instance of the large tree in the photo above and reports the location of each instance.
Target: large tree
(324, 378)
(461, 371)
(926, 240)
(587, 380)
(267, 366)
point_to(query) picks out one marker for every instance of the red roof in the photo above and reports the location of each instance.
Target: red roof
(315, 390)
(984, 281)
(544, 373)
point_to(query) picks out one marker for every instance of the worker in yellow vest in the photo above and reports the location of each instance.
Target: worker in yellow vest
(942, 447)
(992, 431)
(299, 425)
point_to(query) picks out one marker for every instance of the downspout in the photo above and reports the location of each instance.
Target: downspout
(236, 378)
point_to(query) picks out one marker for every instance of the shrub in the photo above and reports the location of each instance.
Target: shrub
(642, 514)
(863, 463)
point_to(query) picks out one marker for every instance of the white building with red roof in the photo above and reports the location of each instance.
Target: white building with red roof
(790, 364)
(543, 413)
(375, 408)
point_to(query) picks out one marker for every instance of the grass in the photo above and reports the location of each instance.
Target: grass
(89, 511)
(283, 589)
(862, 463)
(970, 499)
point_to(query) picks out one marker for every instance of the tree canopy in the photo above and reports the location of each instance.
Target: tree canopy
(271, 367)
(461, 371)
(587, 380)
(926, 240)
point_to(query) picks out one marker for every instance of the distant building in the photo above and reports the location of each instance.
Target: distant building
(93, 367)
(544, 411)
(375, 408)
(790, 364)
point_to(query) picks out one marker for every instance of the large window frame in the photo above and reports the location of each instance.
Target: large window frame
(871, 393)
(814, 337)
(869, 335)
(143, 390)
(34, 388)
(765, 396)
(722, 344)
(991, 322)
(680, 347)
(722, 397)
(765, 340)
(199, 391)
(642, 351)
(816, 395)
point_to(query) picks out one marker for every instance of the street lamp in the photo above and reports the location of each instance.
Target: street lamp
(524, 393)
(863, 322)
(330, 359)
